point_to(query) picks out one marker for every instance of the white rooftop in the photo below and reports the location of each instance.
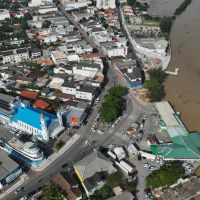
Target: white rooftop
(166, 112)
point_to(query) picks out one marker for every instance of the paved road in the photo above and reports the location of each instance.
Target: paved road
(79, 149)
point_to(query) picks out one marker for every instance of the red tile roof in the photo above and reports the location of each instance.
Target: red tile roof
(90, 56)
(29, 94)
(41, 104)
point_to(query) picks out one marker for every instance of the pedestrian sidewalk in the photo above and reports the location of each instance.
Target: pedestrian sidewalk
(54, 156)
(50, 160)
(23, 178)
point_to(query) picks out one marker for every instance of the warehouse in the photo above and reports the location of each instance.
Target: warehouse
(9, 170)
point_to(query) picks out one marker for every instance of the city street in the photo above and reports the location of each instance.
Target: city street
(134, 112)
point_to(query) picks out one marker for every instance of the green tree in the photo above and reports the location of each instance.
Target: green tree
(112, 105)
(117, 91)
(166, 24)
(113, 180)
(157, 74)
(155, 85)
(182, 7)
(52, 192)
(46, 24)
(165, 176)
(102, 194)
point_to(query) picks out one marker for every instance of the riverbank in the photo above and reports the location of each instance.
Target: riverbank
(183, 91)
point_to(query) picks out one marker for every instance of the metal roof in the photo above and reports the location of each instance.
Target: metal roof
(7, 165)
(166, 112)
(94, 162)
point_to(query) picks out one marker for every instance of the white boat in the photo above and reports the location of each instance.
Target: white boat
(28, 149)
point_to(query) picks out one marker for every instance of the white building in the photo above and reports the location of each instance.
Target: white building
(56, 83)
(86, 69)
(59, 57)
(15, 55)
(75, 4)
(100, 35)
(50, 38)
(113, 49)
(4, 14)
(36, 3)
(155, 46)
(86, 92)
(105, 4)
(47, 8)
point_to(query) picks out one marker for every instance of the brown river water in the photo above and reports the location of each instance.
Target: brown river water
(183, 91)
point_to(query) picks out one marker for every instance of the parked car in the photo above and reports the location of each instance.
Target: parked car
(139, 157)
(19, 190)
(147, 165)
(24, 198)
(152, 168)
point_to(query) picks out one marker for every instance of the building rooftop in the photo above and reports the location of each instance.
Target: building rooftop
(31, 116)
(185, 145)
(5, 101)
(135, 73)
(167, 113)
(29, 94)
(92, 163)
(87, 88)
(7, 165)
(41, 104)
(123, 196)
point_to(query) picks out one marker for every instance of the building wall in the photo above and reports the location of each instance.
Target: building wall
(5, 14)
(46, 10)
(15, 58)
(105, 4)
(84, 95)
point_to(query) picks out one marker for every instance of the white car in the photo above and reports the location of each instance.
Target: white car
(113, 125)
(23, 198)
(141, 125)
(151, 168)
(147, 165)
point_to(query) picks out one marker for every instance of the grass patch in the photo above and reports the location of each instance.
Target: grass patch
(58, 145)
(150, 23)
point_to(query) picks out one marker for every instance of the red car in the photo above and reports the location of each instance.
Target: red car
(147, 190)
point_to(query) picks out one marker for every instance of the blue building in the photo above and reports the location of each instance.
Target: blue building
(22, 116)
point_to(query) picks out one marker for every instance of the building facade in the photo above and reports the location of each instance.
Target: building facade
(15, 55)
(105, 4)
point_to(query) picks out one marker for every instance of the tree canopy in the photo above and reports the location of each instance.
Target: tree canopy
(155, 85)
(165, 176)
(103, 193)
(113, 180)
(46, 24)
(166, 24)
(112, 105)
(52, 192)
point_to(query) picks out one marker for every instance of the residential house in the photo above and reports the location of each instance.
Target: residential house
(35, 53)
(92, 171)
(114, 49)
(105, 4)
(15, 55)
(68, 185)
(4, 14)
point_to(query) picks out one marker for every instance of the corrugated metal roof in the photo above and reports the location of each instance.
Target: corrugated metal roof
(31, 116)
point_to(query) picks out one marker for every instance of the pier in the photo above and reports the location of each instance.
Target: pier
(175, 73)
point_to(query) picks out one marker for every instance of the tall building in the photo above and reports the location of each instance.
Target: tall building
(105, 4)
